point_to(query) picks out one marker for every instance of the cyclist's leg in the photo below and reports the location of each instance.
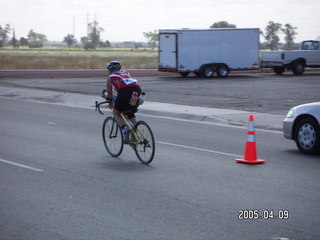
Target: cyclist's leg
(133, 120)
(132, 117)
(120, 106)
(123, 126)
(119, 119)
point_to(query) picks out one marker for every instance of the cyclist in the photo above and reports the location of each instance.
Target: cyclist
(125, 86)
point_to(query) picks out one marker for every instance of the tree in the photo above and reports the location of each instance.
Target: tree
(94, 34)
(152, 38)
(137, 45)
(70, 40)
(24, 42)
(36, 40)
(289, 32)
(105, 44)
(223, 24)
(4, 32)
(86, 43)
(271, 34)
(14, 41)
(93, 39)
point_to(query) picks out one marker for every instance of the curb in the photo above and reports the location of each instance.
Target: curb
(161, 110)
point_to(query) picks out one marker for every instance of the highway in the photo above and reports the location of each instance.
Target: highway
(58, 182)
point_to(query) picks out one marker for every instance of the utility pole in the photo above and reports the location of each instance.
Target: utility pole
(74, 26)
(14, 41)
(88, 25)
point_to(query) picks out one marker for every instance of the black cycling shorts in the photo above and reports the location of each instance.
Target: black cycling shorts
(122, 103)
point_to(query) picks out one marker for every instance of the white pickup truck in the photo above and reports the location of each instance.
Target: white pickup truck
(307, 56)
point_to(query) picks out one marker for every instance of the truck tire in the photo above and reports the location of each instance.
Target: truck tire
(298, 67)
(223, 70)
(207, 71)
(278, 70)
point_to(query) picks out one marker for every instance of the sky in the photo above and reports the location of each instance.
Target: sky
(126, 20)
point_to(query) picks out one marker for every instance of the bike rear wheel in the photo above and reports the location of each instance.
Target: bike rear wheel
(112, 137)
(144, 145)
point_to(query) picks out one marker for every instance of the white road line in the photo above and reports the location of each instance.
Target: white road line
(198, 149)
(21, 165)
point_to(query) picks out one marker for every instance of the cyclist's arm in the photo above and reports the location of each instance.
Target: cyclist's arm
(109, 89)
(109, 92)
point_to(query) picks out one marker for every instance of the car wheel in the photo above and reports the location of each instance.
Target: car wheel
(307, 135)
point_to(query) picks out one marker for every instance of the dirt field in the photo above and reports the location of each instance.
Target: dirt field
(76, 73)
(66, 60)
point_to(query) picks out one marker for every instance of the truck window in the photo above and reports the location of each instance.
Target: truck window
(310, 45)
(315, 45)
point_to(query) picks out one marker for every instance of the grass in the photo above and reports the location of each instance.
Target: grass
(47, 58)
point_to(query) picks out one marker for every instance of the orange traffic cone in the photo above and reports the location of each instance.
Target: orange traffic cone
(250, 152)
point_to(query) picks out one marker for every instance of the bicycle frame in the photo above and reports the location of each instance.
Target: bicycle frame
(133, 131)
(114, 125)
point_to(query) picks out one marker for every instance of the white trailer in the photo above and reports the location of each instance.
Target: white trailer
(208, 51)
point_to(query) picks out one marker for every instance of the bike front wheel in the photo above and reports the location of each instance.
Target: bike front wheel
(112, 137)
(144, 144)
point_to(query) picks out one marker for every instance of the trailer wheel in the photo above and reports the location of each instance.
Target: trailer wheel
(298, 67)
(184, 74)
(278, 70)
(207, 71)
(198, 74)
(223, 70)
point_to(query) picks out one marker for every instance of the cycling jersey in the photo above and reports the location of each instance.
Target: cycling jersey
(122, 79)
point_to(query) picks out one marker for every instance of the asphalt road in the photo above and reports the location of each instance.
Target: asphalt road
(57, 181)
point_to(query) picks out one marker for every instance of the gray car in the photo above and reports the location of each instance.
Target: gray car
(302, 125)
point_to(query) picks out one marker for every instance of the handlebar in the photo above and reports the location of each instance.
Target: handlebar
(98, 104)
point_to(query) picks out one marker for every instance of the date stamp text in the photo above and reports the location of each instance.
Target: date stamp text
(252, 214)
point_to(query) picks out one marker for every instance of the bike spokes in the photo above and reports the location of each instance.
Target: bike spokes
(143, 142)
(112, 137)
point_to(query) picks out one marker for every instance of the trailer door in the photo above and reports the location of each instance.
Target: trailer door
(168, 52)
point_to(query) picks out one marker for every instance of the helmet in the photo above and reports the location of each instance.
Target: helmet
(114, 65)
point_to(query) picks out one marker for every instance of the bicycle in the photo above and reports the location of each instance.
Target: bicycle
(141, 138)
